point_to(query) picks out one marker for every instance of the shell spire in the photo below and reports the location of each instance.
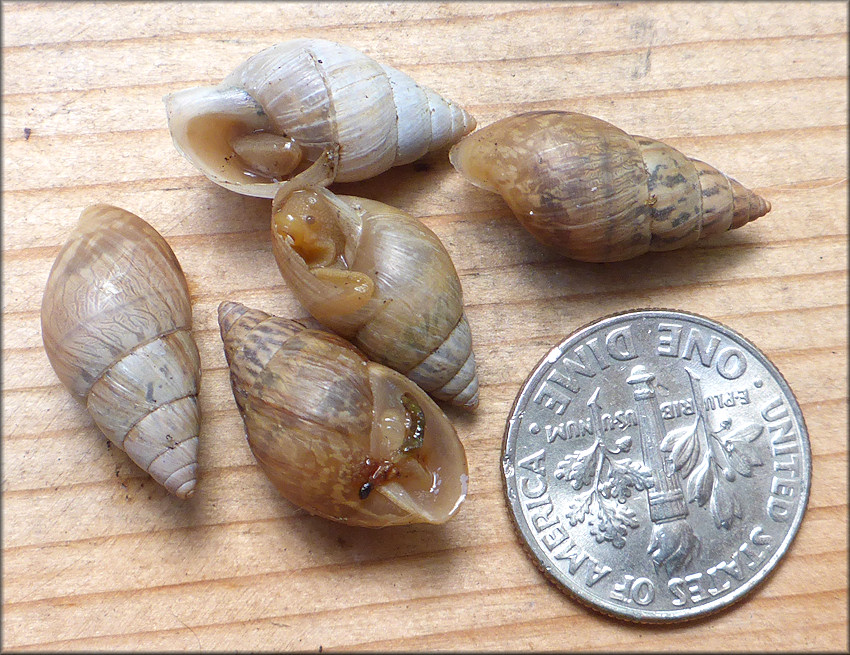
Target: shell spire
(341, 437)
(594, 192)
(281, 108)
(116, 324)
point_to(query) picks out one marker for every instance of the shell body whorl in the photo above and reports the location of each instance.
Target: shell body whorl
(342, 437)
(380, 278)
(116, 324)
(320, 94)
(595, 193)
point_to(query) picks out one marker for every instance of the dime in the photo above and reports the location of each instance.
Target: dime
(657, 465)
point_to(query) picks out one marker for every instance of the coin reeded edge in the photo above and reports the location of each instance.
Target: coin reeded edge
(661, 617)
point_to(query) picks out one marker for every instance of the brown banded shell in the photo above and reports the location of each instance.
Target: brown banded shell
(342, 437)
(116, 322)
(285, 105)
(597, 194)
(378, 277)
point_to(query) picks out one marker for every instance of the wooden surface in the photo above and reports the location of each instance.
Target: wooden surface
(96, 556)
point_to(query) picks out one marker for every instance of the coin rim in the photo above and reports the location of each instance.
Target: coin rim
(530, 545)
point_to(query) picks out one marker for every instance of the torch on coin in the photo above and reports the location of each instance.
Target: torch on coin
(673, 543)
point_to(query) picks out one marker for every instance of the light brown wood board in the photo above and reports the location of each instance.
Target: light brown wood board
(97, 556)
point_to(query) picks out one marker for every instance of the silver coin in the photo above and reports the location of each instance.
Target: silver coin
(656, 465)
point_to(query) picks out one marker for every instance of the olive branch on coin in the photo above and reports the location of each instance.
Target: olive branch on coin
(611, 482)
(711, 460)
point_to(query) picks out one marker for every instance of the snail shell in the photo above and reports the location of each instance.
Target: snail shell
(116, 321)
(294, 100)
(597, 194)
(378, 277)
(340, 436)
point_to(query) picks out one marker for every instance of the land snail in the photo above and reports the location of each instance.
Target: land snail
(378, 277)
(338, 435)
(116, 323)
(595, 193)
(284, 106)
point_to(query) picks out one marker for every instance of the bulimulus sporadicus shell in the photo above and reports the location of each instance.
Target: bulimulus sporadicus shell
(287, 104)
(378, 277)
(116, 323)
(341, 437)
(595, 193)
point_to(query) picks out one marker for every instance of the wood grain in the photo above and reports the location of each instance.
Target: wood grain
(96, 556)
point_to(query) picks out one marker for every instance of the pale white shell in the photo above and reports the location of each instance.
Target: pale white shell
(116, 321)
(321, 94)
